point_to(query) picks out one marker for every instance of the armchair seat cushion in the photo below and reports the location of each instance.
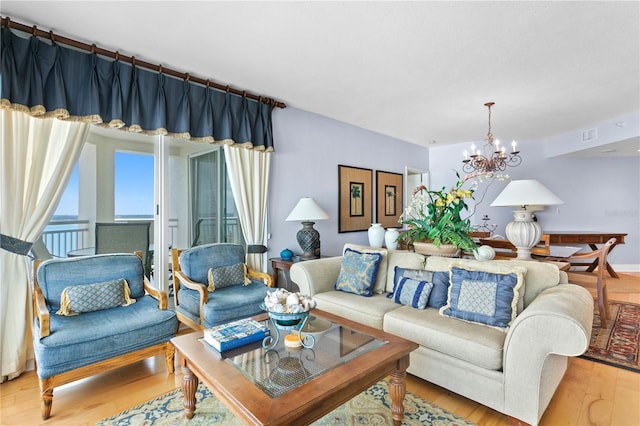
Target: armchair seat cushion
(82, 340)
(224, 305)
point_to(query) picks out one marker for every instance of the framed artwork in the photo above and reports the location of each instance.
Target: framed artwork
(355, 198)
(389, 194)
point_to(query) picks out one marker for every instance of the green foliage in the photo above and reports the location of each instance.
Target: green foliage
(436, 216)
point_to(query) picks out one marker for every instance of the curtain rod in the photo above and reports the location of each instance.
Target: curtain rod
(35, 31)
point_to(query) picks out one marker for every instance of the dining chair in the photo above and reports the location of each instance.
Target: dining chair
(124, 237)
(587, 279)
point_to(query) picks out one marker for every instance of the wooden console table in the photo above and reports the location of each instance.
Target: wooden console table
(589, 238)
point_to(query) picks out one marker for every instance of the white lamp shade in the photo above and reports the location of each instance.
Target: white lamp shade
(526, 193)
(307, 210)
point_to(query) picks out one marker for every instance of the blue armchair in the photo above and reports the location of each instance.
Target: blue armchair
(201, 303)
(82, 327)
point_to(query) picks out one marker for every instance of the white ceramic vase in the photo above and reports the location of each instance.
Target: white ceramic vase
(376, 235)
(391, 238)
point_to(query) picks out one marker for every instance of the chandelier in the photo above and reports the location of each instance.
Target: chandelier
(494, 158)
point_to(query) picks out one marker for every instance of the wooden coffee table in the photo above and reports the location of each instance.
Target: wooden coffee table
(285, 386)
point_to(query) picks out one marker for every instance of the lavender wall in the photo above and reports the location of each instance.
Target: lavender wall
(308, 149)
(599, 194)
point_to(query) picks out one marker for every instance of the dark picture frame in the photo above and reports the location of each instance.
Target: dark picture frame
(389, 198)
(355, 198)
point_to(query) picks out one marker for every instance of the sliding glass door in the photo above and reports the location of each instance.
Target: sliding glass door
(213, 214)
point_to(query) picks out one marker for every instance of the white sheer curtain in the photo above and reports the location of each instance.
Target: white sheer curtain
(37, 156)
(248, 172)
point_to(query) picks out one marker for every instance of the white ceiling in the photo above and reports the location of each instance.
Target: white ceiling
(418, 71)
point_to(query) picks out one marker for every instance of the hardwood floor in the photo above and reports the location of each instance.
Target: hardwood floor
(590, 393)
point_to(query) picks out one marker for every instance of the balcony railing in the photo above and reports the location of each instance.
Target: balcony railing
(63, 236)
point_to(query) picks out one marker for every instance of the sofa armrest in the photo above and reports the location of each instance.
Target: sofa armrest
(316, 276)
(557, 322)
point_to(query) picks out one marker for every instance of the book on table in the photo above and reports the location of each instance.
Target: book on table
(235, 334)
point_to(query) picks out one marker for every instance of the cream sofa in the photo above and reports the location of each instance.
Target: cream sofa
(515, 372)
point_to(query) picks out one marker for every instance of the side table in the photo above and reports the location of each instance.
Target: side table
(281, 266)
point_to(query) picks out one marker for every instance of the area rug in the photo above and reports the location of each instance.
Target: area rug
(371, 407)
(618, 344)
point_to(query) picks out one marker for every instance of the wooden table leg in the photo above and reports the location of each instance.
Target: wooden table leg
(397, 390)
(189, 386)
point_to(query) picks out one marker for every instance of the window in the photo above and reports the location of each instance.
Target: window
(133, 187)
(68, 207)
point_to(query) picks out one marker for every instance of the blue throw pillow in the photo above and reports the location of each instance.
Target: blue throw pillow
(358, 272)
(226, 276)
(77, 299)
(484, 297)
(440, 280)
(412, 293)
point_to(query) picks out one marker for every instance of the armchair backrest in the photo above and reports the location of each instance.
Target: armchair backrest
(52, 276)
(196, 261)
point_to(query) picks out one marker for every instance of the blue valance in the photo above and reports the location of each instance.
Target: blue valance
(48, 79)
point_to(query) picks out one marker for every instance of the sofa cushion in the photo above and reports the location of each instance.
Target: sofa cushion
(414, 293)
(369, 311)
(474, 343)
(437, 263)
(483, 297)
(440, 292)
(77, 341)
(403, 259)
(225, 276)
(381, 276)
(94, 297)
(358, 272)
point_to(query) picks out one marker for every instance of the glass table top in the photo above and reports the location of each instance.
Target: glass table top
(282, 368)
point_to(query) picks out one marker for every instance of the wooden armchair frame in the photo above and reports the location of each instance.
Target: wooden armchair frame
(48, 384)
(180, 278)
(601, 282)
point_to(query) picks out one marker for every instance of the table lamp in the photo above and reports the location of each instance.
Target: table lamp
(524, 232)
(308, 211)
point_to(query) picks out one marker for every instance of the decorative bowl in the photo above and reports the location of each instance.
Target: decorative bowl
(285, 320)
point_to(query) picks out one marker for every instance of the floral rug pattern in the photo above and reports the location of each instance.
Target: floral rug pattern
(618, 344)
(372, 407)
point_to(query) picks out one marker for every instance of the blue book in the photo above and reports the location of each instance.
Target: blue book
(235, 334)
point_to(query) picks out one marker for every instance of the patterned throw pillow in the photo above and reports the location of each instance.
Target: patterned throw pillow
(412, 292)
(94, 297)
(484, 297)
(358, 272)
(440, 281)
(226, 276)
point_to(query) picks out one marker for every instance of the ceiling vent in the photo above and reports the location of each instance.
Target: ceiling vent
(589, 135)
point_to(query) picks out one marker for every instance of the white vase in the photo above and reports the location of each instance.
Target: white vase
(391, 238)
(376, 235)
